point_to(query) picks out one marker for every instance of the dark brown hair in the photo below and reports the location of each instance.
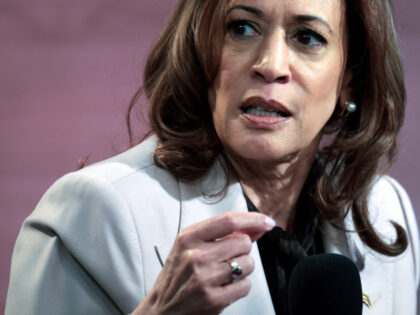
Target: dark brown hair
(184, 62)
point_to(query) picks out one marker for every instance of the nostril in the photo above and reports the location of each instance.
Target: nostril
(258, 74)
(271, 77)
(283, 79)
(272, 69)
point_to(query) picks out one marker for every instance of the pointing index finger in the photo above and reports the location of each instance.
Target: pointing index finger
(252, 223)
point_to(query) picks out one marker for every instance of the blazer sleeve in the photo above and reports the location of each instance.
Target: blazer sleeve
(77, 253)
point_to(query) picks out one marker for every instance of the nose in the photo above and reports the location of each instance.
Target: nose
(272, 63)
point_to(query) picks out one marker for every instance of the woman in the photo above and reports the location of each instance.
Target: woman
(241, 93)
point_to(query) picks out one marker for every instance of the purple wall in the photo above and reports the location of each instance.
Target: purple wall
(67, 72)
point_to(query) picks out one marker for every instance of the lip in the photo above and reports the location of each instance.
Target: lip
(260, 122)
(266, 104)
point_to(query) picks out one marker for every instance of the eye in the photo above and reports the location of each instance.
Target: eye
(309, 38)
(242, 29)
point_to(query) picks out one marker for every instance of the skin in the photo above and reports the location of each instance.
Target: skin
(275, 56)
(300, 64)
(196, 278)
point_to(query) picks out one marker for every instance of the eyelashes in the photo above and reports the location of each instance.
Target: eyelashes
(309, 38)
(242, 29)
(304, 37)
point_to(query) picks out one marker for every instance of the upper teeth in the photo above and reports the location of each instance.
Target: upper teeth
(259, 111)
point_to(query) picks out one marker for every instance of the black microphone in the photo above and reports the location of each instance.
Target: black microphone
(325, 284)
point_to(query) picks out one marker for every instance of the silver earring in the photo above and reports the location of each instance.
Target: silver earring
(351, 107)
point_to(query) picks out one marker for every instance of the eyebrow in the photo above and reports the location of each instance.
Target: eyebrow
(310, 18)
(253, 10)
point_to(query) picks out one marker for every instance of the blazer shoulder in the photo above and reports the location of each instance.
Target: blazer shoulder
(111, 190)
(135, 159)
(89, 247)
(105, 221)
(109, 181)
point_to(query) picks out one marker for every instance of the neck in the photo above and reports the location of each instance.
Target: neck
(274, 188)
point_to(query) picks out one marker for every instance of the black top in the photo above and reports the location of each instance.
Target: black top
(280, 250)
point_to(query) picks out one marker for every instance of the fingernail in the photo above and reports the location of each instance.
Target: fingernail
(270, 222)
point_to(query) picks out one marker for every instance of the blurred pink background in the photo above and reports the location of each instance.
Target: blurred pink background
(67, 72)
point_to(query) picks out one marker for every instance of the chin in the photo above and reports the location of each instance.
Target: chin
(261, 150)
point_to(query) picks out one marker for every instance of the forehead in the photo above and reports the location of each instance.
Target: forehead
(331, 10)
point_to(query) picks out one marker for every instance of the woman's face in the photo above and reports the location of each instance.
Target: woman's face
(280, 76)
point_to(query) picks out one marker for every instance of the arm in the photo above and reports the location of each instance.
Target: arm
(77, 253)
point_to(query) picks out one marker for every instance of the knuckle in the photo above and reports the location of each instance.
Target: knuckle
(243, 242)
(250, 262)
(199, 283)
(195, 257)
(199, 259)
(242, 237)
(190, 256)
(244, 288)
(182, 239)
(229, 221)
(246, 242)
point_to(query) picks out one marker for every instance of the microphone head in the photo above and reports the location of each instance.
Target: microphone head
(325, 284)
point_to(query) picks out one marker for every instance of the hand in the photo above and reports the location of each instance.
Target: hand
(196, 278)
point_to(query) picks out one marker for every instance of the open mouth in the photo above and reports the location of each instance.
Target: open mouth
(264, 112)
(257, 106)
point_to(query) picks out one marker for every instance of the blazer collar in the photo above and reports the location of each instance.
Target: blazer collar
(348, 244)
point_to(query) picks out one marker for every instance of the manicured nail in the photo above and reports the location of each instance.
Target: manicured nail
(270, 222)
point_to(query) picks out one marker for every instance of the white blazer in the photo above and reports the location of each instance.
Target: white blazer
(97, 240)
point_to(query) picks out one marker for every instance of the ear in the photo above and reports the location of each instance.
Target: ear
(346, 93)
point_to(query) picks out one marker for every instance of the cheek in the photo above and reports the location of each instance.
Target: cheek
(234, 66)
(227, 74)
(225, 95)
(226, 86)
(324, 86)
(322, 91)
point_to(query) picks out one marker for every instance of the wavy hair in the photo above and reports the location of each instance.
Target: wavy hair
(184, 61)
